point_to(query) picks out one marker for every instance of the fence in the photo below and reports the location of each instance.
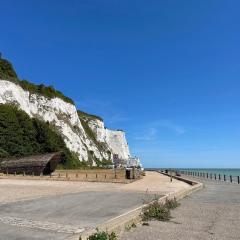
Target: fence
(95, 175)
(206, 175)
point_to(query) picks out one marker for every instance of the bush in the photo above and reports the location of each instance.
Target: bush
(156, 211)
(21, 135)
(172, 203)
(6, 70)
(103, 236)
(87, 116)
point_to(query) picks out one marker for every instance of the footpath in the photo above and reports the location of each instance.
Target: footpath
(212, 213)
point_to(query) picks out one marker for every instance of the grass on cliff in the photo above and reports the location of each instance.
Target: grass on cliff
(100, 145)
(7, 72)
(86, 116)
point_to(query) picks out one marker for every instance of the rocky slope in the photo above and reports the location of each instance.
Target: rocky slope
(83, 134)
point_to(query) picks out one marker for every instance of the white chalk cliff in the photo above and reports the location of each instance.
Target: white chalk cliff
(65, 118)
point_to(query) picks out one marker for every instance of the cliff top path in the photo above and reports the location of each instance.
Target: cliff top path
(40, 209)
(212, 213)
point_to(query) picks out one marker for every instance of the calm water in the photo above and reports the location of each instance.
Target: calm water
(222, 171)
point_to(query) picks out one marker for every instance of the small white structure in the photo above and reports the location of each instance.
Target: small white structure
(131, 162)
(134, 162)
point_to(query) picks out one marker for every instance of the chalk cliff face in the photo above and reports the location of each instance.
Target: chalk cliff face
(115, 139)
(102, 144)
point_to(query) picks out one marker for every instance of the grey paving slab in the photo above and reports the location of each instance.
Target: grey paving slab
(212, 213)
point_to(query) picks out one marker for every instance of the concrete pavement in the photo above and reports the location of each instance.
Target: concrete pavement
(212, 213)
(39, 209)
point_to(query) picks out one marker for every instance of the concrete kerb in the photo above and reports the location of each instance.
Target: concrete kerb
(121, 222)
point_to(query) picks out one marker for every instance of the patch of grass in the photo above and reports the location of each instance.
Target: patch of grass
(155, 211)
(172, 203)
(103, 236)
(134, 225)
(87, 116)
(129, 227)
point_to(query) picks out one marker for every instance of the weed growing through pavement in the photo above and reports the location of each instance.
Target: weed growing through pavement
(155, 211)
(158, 211)
(102, 236)
(172, 203)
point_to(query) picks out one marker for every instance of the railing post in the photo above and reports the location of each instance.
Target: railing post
(224, 178)
(219, 177)
(207, 175)
(215, 176)
(230, 178)
(238, 180)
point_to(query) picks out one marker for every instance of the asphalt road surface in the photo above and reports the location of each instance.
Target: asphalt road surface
(212, 213)
(57, 217)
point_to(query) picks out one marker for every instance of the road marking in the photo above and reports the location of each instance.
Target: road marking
(49, 226)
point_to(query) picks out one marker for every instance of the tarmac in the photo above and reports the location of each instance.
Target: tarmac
(212, 213)
(39, 209)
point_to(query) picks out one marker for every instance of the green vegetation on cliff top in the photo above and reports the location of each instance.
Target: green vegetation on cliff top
(87, 116)
(7, 72)
(21, 136)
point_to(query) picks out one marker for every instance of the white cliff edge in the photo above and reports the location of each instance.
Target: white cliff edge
(65, 118)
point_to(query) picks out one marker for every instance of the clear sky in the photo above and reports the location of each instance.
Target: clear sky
(167, 72)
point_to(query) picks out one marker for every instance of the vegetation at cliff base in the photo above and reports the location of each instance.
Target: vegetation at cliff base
(7, 72)
(21, 135)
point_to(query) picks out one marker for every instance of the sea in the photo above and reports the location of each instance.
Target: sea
(222, 171)
(234, 172)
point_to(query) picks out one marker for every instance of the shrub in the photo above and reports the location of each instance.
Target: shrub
(87, 116)
(156, 211)
(6, 70)
(103, 236)
(21, 135)
(172, 203)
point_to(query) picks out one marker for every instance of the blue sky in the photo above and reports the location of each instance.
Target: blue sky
(167, 72)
